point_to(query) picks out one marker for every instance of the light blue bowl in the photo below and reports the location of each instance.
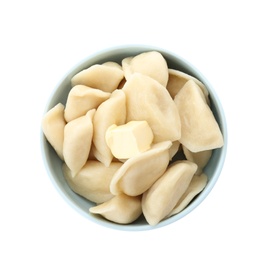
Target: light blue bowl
(54, 165)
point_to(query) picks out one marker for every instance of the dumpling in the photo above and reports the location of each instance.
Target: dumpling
(138, 173)
(177, 79)
(112, 111)
(199, 129)
(148, 100)
(53, 124)
(92, 181)
(112, 64)
(197, 184)
(151, 64)
(81, 99)
(104, 77)
(161, 198)
(200, 158)
(78, 135)
(120, 209)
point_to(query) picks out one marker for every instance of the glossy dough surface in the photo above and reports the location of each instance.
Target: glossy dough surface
(200, 158)
(164, 194)
(81, 99)
(148, 100)
(78, 135)
(177, 79)
(141, 64)
(199, 129)
(53, 124)
(138, 173)
(121, 209)
(112, 111)
(104, 77)
(197, 184)
(93, 180)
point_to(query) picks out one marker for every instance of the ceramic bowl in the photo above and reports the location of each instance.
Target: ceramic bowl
(54, 165)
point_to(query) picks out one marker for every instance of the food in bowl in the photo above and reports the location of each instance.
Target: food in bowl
(105, 108)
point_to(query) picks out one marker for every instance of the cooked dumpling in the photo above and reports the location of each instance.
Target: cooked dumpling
(93, 180)
(112, 64)
(197, 184)
(199, 129)
(82, 99)
(77, 141)
(200, 158)
(53, 124)
(177, 79)
(104, 77)
(112, 111)
(151, 64)
(161, 198)
(148, 100)
(138, 173)
(121, 209)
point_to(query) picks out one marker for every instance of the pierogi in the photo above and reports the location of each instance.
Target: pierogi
(200, 158)
(199, 129)
(78, 135)
(93, 180)
(197, 184)
(148, 100)
(164, 194)
(104, 77)
(121, 209)
(151, 64)
(112, 111)
(138, 173)
(81, 99)
(53, 124)
(177, 79)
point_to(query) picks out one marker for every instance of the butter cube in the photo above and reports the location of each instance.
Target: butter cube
(126, 141)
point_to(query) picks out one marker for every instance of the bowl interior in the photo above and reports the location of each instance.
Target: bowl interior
(54, 164)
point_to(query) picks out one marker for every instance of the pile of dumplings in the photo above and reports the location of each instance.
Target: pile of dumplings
(174, 105)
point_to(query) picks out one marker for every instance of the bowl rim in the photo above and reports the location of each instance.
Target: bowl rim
(202, 196)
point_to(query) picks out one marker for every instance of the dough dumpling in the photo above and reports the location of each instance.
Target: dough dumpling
(112, 111)
(81, 99)
(197, 184)
(104, 77)
(138, 173)
(78, 135)
(120, 209)
(200, 158)
(148, 100)
(199, 129)
(151, 64)
(53, 124)
(161, 198)
(177, 79)
(112, 64)
(93, 180)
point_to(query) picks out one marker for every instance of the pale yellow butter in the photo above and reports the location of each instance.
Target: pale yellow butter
(128, 140)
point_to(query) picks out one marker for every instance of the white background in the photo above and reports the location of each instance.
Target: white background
(42, 40)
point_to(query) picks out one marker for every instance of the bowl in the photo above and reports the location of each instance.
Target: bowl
(54, 165)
